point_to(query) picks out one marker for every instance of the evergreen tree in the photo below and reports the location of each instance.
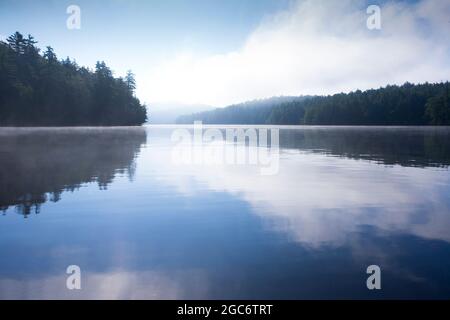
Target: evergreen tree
(38, 90)
(438, 107)
(409, 104)
(130, 81)
(17, 43)
(50, 55)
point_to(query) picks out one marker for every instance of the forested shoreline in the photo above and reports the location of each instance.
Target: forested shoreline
(409, 104)
(38, 89)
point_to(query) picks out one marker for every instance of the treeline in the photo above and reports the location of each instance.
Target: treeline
(251, 112)
(409, 104)
(38, 89)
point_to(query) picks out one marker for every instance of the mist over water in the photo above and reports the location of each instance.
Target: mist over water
(113, 201)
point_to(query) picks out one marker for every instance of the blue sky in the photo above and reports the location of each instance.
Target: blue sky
(122, 32)
(219, 52)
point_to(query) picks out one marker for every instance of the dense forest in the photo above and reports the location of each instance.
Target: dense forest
(409, 104)
(37, 89)
(251, 112)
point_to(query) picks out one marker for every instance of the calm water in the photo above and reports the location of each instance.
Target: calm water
(140, 224)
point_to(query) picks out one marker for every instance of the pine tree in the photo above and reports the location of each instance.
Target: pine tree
(130, 81)
(17, 43)
(50, 55)
(38, 89)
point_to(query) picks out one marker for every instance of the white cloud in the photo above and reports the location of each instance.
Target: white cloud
(315, 47)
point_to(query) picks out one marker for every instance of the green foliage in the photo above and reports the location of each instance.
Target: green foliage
(438, 108)
(409, 104)
(391, 105)
(130, 81)
(265, 111)
(39, 90)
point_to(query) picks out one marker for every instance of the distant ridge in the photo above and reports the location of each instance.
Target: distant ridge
(408, 104)
(250, 112)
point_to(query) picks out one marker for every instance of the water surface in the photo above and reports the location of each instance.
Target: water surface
(115, 202)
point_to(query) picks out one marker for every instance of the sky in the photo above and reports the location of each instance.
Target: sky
(219, 52)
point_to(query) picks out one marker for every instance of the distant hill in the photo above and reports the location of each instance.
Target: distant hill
(409, 104)
(251, 112)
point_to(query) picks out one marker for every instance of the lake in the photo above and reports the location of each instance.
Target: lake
(146, 215)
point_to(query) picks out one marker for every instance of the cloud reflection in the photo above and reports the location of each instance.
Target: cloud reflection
(319, 199)
(111, 285)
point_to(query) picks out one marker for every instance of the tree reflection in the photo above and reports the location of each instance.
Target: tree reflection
(411, 147)
(38, 165)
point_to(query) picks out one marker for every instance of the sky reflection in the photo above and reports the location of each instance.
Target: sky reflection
(154, 229)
